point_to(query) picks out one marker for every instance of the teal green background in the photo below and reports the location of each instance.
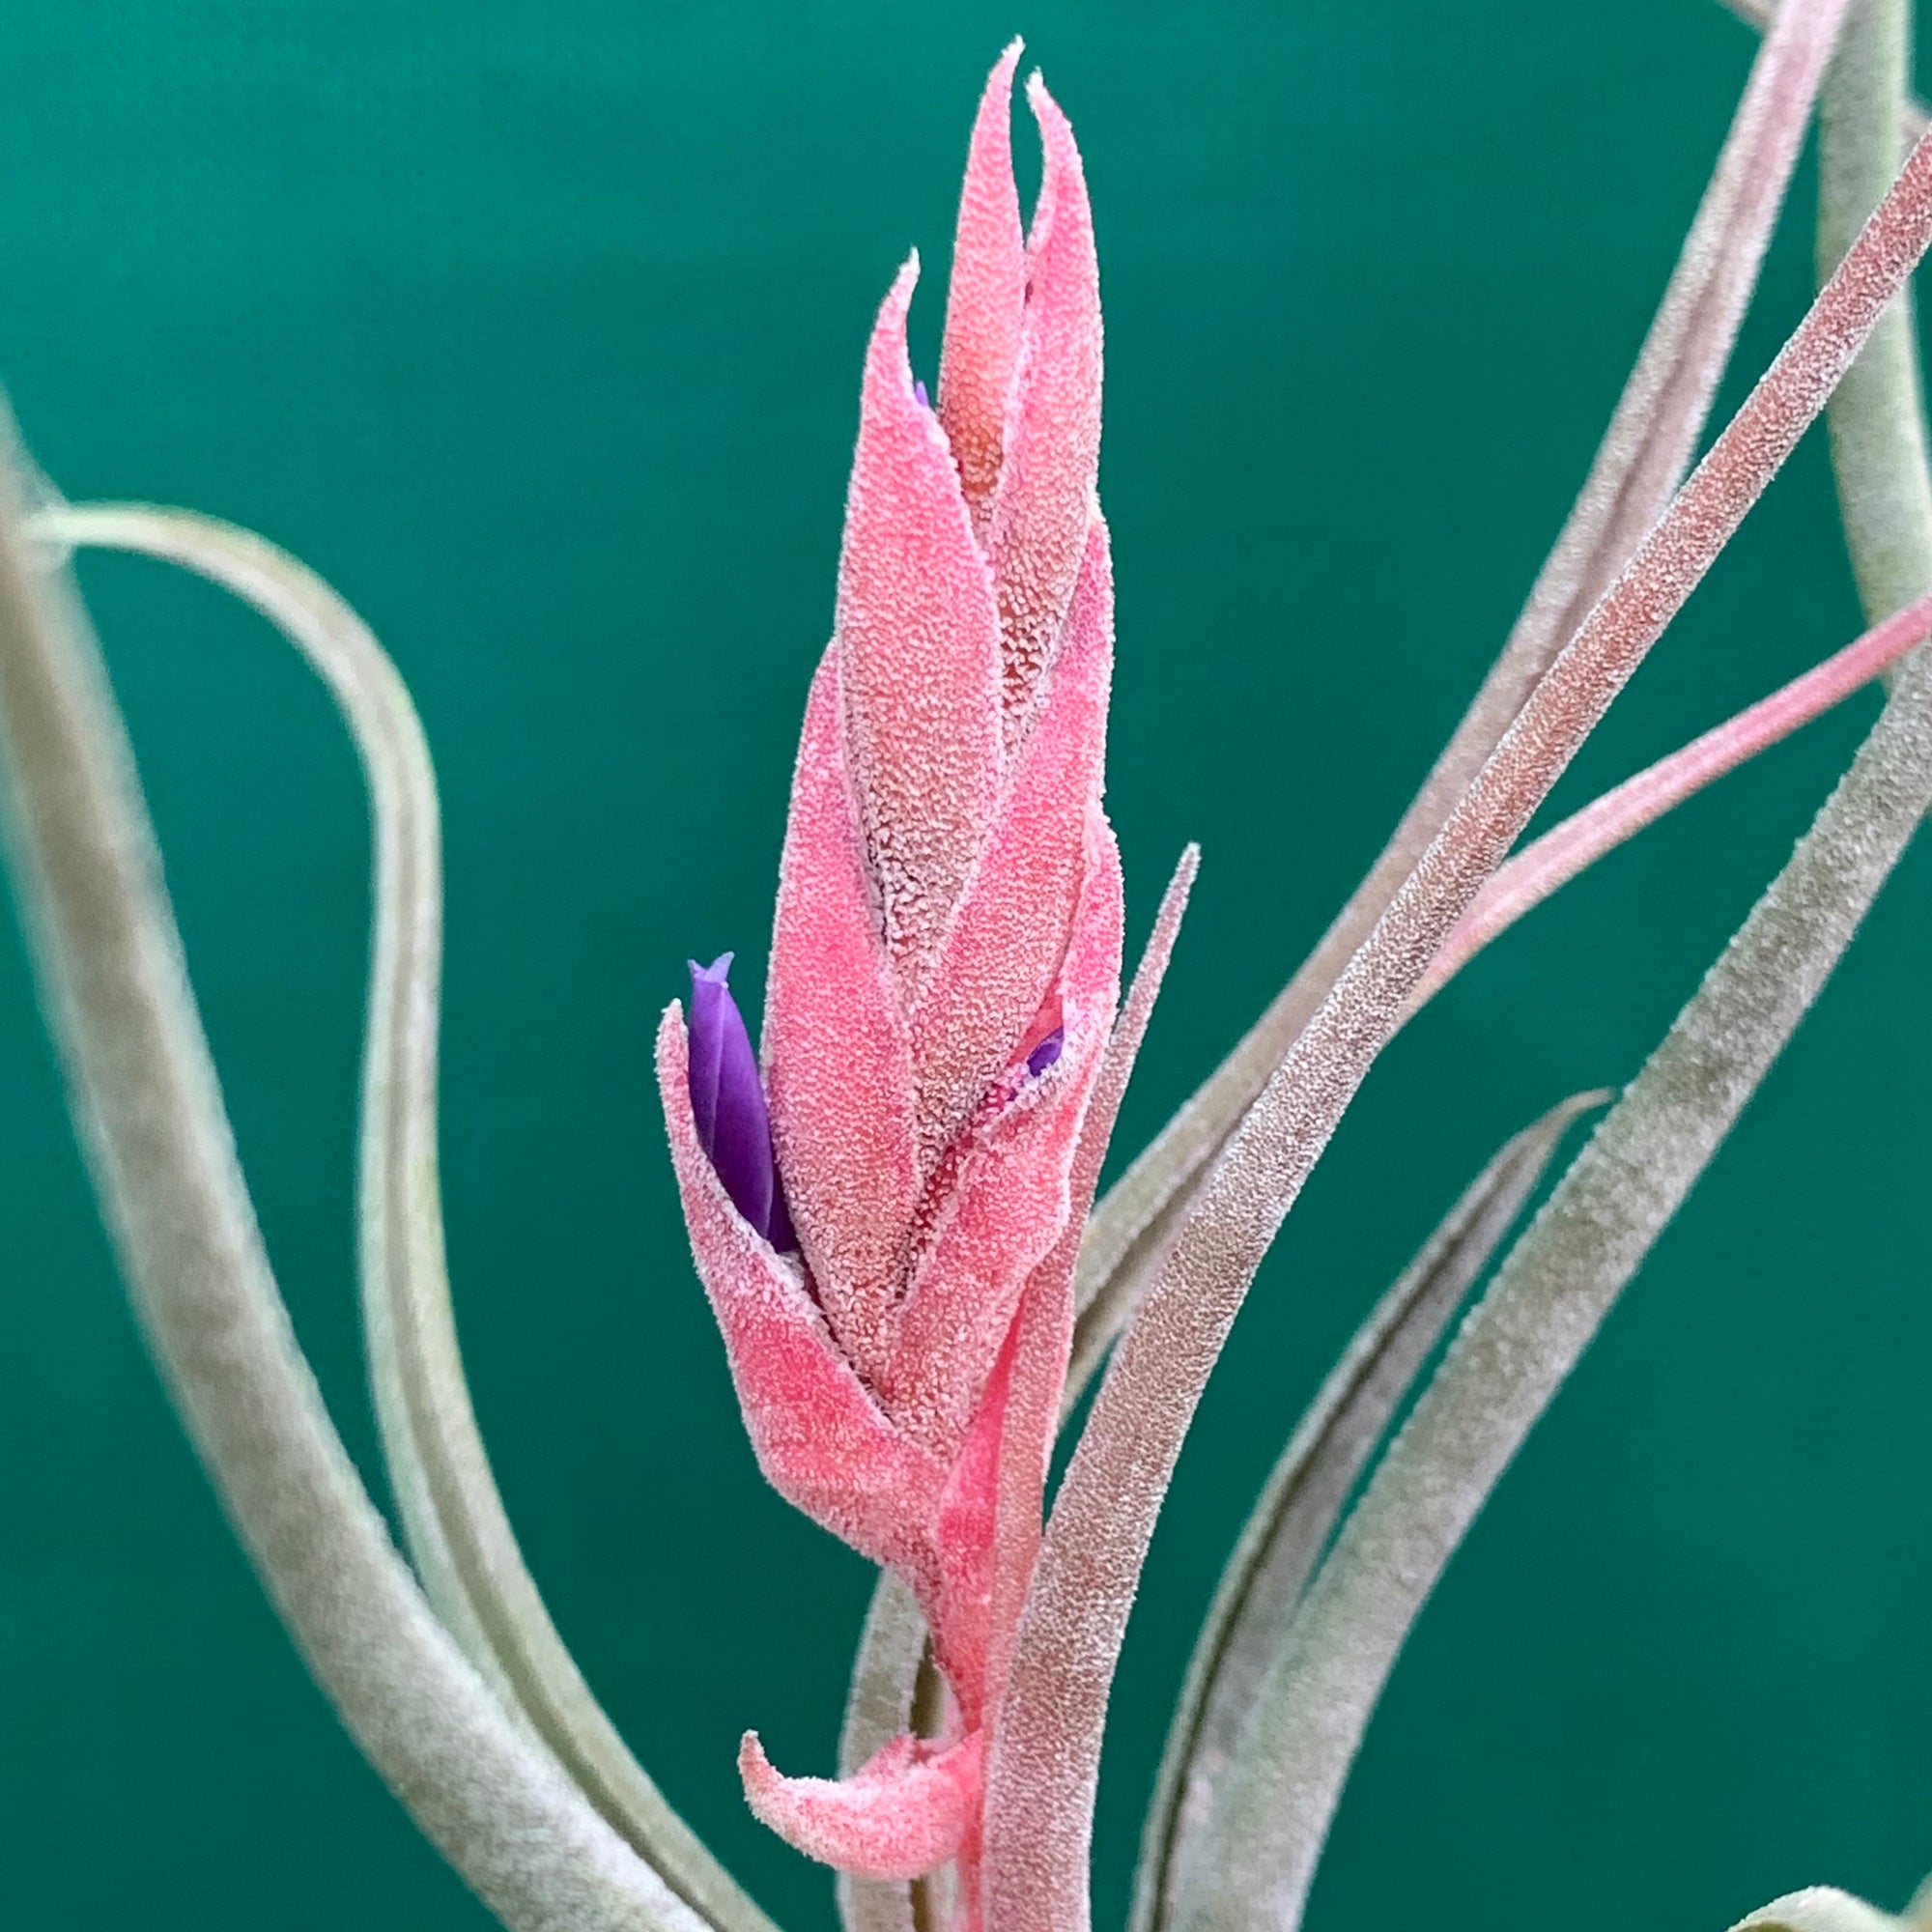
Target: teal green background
(535, 326)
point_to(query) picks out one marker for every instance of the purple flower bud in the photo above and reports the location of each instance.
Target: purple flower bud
(920, 396)
(1046, 1053)
(727, 1105)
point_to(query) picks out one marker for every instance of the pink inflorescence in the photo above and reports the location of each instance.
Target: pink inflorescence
(944, 977)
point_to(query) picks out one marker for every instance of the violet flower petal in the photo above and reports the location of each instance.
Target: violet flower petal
(1046, 1052)
(727, 1105)
(708, 992)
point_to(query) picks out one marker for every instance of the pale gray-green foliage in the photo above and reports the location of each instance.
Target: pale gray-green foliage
(878, 1707)
(1824, 1908)
(113, 980)
(1644, 452)
(458, 1532)
(1553, 1290)
(487, 1791)
(1043, 1767)
(1273, 1809)
(1262, 1587)
(1877, 420)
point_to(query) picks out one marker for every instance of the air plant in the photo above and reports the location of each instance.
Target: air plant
(891, 1205)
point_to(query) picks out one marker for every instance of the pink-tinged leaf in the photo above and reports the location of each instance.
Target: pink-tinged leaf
(959, 1618)
(838, 1055)
(1652, 436)
(895, 1634)
(1045, 499)
(1104, 1293)
(900, 1815)
(986, 299)
(1009, 1201)
(1043, 1335)
(1044, 1763)
(1007, 946)
(821, 1441)
(1552, 861)
(1045, 1327)
(919, 653)
(1118, 1067)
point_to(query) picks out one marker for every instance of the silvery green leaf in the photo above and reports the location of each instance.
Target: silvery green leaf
(148, 1106)
(1292, 1522)
(1649, 441)
(453, 1517)
(879, 1706)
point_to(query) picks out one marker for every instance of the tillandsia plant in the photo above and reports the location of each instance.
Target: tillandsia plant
(891, 1205)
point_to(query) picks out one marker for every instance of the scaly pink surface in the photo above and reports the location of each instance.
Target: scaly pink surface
(944, 979)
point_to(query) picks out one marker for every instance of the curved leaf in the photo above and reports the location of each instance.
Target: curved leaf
(1563, 1276)
(1263, 1582)
(148, 1106)
(1658, 421)
(1551, 862)
(453, 1517)
(1043, 1769)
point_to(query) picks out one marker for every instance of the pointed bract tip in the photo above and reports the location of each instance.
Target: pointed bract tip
(887, 356)
(890, 323)
(903, 1814)
(1056, 129)
(1000, 78)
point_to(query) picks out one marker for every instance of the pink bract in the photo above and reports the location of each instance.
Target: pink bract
(944, 979)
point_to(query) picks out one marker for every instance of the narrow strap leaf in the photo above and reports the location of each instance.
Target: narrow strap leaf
(148, 1106)
(1912, 117)
(1547, 1302)
(1564, 1274)
(1264, 1578)
(398, 1210)
(453, 1517)
(1043, 1769)
(1551, 862)
(1659, 420)
(1877, 419)
(1102, 1292)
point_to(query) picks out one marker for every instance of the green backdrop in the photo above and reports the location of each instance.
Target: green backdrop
(535, 325)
